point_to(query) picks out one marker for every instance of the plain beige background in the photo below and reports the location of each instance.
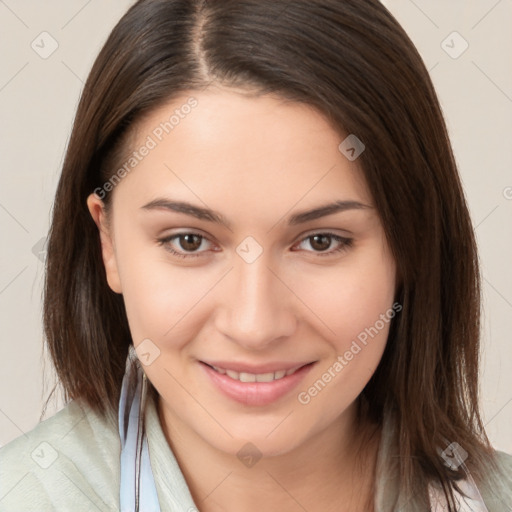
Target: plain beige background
(471, 70)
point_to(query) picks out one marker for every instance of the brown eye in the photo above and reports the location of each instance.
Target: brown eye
(325, 244)
(190, 242)
(320, 242)
(186, 245)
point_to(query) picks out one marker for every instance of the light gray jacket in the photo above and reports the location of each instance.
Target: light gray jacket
(70, 462)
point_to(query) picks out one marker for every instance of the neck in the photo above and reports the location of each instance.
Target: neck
(332, 471)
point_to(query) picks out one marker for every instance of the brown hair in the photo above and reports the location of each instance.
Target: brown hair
(352, 61)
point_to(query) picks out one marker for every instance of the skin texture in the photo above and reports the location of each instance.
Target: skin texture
(256, 161)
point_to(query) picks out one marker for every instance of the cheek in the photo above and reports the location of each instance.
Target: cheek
(159, 297)
(355, 305)
(361, 321)
(350, 298)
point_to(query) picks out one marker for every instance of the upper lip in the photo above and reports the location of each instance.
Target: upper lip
(257, 369)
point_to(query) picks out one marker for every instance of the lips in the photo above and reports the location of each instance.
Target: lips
(255, 385)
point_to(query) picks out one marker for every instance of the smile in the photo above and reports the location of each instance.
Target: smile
(255, 377)
(262, 386)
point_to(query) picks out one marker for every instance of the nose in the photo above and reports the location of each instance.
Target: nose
(256, 308)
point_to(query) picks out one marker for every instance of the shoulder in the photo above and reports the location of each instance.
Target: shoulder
(505, 462)
(67, 462)
(497, 490)
(504, 476)
(505, 465)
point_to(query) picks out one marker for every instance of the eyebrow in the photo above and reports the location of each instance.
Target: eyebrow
(213, 216)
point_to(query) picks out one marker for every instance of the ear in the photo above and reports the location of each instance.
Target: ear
(97, 210)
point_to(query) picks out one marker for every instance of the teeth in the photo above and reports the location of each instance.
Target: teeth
(247, 377)
(232, 374)
(265, 377)
(280, 374)
(260, 377)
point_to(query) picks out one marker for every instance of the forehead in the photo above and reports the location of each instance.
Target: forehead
(219, 143)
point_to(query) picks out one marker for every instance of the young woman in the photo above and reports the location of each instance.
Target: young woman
(262, 287)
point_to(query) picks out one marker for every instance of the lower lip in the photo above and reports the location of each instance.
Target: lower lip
(256, 393)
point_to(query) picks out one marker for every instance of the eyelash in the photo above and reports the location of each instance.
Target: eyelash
(344, 244)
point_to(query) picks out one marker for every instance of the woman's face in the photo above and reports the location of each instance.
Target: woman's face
(242, 238)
